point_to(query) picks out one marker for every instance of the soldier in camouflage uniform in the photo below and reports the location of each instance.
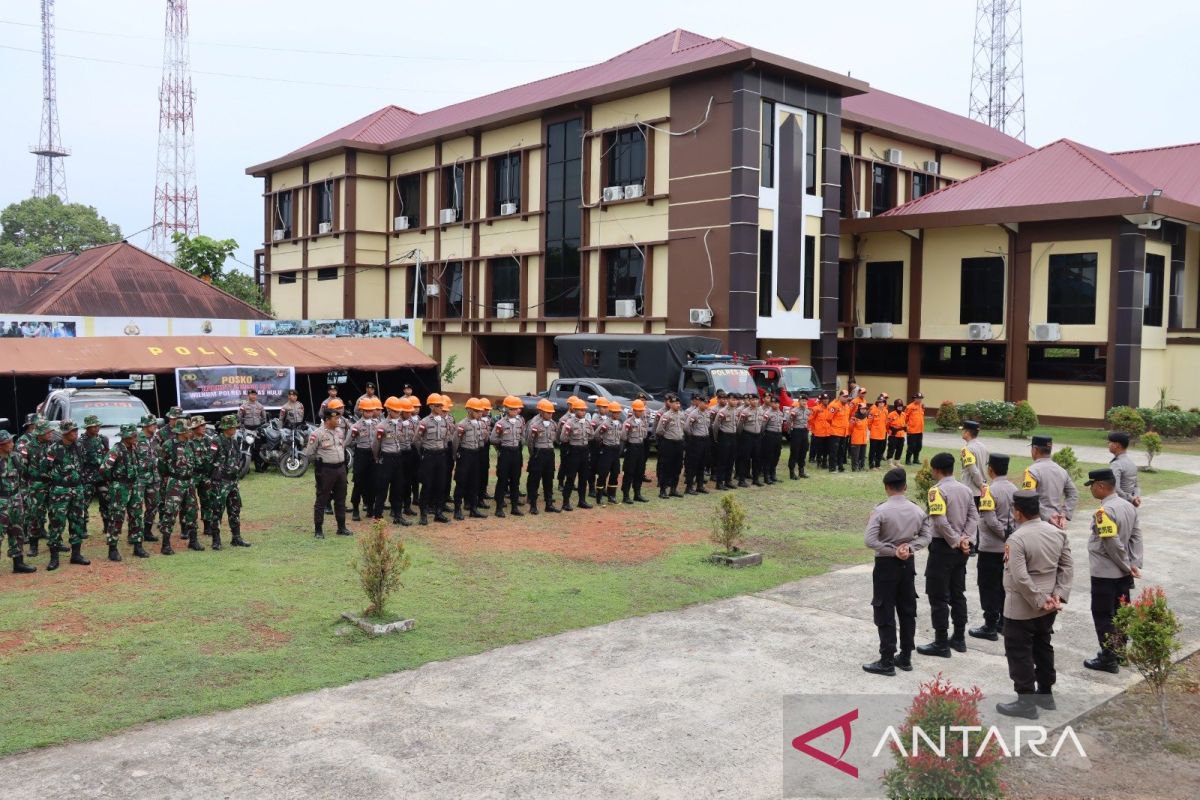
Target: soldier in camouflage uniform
(179, 493)
(37, 482)
(12, 521)
(27, 430)
(147, 447)
(223, 494)
(121, 471)
(204, 453)
(67, 493)
(94, 448)
(165, 435)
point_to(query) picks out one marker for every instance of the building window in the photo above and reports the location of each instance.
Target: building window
(922, 184)
(1152, 291)
(323, 203)
(963, 360)
(452, 290)
(327, 274)
(286, 278)
(1072, 290)
(416, 286)
(810, 153)
(810, 271)
(883, 183)
(1175, 319)
(1076, 364)
(563, 170)
(766, 260)
(506, 282)
(452, 190)
(885, 291)
(766, 167)
(506, 182)
(626, 154)
(408, 199)
(626, 270)
(849, 190)
(627, 359)
(981, 296)
(872, 358)
(283, 215)
(509, 351)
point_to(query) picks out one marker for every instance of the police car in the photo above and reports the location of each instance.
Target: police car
(108, 399)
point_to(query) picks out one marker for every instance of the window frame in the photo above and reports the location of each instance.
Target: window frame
(1056, 312)
(624, 258)
(405, 185)
(562, 267)
(452, 273)
(927, 183)
(1153, 289)
(621, 167)
(766, 272)
(285, 278)
(454, 184)
(888, 172)
(509, 166)
(494, 300)
(277, 216)
(327, 274)
(886, 309)
(327, 188)
(971, 291)
(810, 154)
(766, 167)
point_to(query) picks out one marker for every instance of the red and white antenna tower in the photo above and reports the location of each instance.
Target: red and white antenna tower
(175, 202)
(51, 176)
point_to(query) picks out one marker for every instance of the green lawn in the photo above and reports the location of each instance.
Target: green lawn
(1098, 437)
(89, 650)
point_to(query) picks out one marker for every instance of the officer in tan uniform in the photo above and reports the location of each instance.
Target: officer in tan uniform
(1125, 471)
(995, 526)
(1114, 560)
(637, 430)
(1057, 495)
(541, 434)
(469, 469)
(974, 459)
(326, 451)
(955, 521)
(507, 437)
(575, 432)
(610, 436)
(433, 441)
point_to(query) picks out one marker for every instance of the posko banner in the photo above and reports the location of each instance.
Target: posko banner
(209, 389)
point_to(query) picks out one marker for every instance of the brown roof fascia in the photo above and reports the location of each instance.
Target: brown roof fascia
(850, 86)
(996, 216)
(917, 137)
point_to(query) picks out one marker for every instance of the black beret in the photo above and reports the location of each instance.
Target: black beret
(370, 385)
(1106, 475)
(895, 477)
(1026, 501)
(943, 462)
(970, 425)
(999, 463)
(1120, 437)
(1042, 441)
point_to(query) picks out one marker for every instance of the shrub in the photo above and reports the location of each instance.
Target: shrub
(1127, 420)
(1153, 444)
(1066, 459)
(729, 523)
(1147, 637)
(995, 413)
(1173, 424)
(965, 771)
(968, 411)
(947, 416)
(1024, 418)
(923, 481)
(381, 562)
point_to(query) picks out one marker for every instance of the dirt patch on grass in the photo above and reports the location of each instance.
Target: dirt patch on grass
(254, 637)
(71, 583)
(64, 633)
(1129, 756)
(610, 534)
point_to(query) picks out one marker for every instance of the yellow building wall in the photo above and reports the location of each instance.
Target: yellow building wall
(624, 112)
(503, 237)
(958, 168)
(369, 293)
(658, 303)
(1040, 280)
(941, 276)
(1085, 402)
(288, 178)
(895, 385)
(913, 155)
(372, 210)
(511, 137)
(1182, 377)
(459, 346)
(371, 248)
(960, 391)
(462, 148)
(411, 161)
(286, 257)
(847, 139)
(285, 299)
(331, 167)
(370, 164)
(498, 381)
(323, 252)
(1155, 375)
(884, 246)
(325, 297)
(1155, 336)
(532, 281)
(619, 225)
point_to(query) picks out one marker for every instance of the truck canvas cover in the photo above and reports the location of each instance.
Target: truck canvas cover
(653, 361)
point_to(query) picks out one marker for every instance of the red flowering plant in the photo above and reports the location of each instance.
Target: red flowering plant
(971, 771)
(1148, 637)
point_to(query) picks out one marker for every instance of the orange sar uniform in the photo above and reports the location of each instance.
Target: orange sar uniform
(838, 415)
(858, 441)
(914, 416)
(818, 426)
(895, 428)
(877, 417)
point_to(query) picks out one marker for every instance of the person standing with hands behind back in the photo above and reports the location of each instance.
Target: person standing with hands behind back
(955, 521)
(1114, 559)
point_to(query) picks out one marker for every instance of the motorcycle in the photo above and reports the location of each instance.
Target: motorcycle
(281, 446)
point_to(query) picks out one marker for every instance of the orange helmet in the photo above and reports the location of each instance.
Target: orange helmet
(410, 403)
(513, 402)
(394, 403)
(601, 402)
(472, 404)
(433, 399)
(639, 405)
(614, 407)
(575, 403)
(447, 402)
(370, 404)
(487, 404)
(545, 405)
(335, 405)
(712, 401)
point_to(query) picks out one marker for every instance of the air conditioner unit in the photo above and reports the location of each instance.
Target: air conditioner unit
(613, 193)
(700, 316)
(324, 227)
(1047, 332)
(932, 166)
(862, 332)
(634, 190)
(277, 235)
(432, 290)
(628, 308)
(448, 216)
(881, 330)
(893, 156)
(508, 209)
(400, 223)
(979, 331)
(861, 214)
(506, 310)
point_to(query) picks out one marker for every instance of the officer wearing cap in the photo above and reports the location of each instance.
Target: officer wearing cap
(1125, 471)
(291, 413)
(94, 448)
(896, 530)
(12, 508)
(252, 414)
(179, 496)
(332, 394)
(36, 487)
(167, 431)
(610, 433)
(914, 426)
(121, 472)
(974, 459)
(362, 441)
(1114, 560)
(27, 434)
(67, 494)
(369, 395)
(896, 422)
(387, 447)
(326, 450)
(795, 428)
(669, 433)
(541, 434)
(433, 440)
(697, 432)
(469, 467)
(148, 448)
(225, 499)
(995, 526)
(507, 436)
(636, 432)
(725, 431)
(1037, 582)
(204, 453)
(1057, 494)
(955, 520)
(408, 390)
(574, 433)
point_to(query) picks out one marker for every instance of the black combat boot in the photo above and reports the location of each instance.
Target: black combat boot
(515, 511)
(1103, 663)
(500, 510)
(551, 508)
(886, 665)
(473, 513)
(354, 515)
(566, 506)
(440, 516)
(792, 473)
(458, 515)
(903, 660)
(424, 517)
(583, 503)
(939, 647)
(20, 567)
(1044, 700)
(33, 547)
(533, 509)
(985, 631)
(166, 549)
(637, 498)
(1023, 707)
(626, 499)
(193, 540)
(139, 551)
(236, 539)
(53, 559)
(77, 557)
(958, 641)
(216, 539)
(113, 554)
(662, 493)
(701, 489)
(674, 491)
(148, 534)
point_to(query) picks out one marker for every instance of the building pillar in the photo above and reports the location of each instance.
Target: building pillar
(1126, 355)
(824, 349)
(743, 215)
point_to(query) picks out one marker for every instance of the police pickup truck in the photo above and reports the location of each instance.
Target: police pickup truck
(108, 399)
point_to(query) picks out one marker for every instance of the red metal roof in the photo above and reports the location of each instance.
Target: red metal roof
(379, 127)
(118, 280)
(1175, 170)
(927, 123)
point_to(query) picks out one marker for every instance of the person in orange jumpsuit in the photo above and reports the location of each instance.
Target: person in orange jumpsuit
(895, 428)
(818, 426)
(914, 420)
(858, 437)
(838, 414)
(877, 416)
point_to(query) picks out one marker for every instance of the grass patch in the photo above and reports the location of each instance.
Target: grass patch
(1098, 437)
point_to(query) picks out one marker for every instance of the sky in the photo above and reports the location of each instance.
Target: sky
(272, 75)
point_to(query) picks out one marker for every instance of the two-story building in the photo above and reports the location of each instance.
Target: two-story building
(689, 185)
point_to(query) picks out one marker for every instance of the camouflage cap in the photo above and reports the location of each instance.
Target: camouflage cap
(42, 426)
(228, 421)
(174, 412)
(197, 421)
(31, 419)
(67, 425)
(5, 437)
(128, 430)
(179, 427)
(148, 419)
(91, 421)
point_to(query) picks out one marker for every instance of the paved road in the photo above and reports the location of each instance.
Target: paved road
(679, 704)
(1085, 453)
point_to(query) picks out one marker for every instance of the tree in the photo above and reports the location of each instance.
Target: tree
(1024, 419)
(42, 226)
(204, 257)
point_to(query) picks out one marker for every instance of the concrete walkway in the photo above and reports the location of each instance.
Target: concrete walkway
(1093, 455)
(679, 704)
